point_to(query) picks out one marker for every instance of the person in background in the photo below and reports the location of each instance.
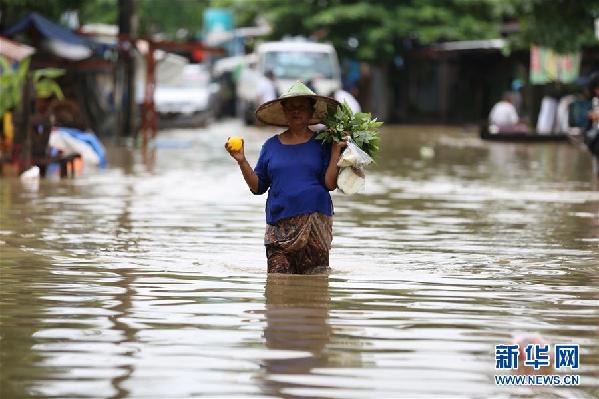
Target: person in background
(311, 83)
(298, 172)
(363, 86)
(516, 95)
(503, 117)
(547, 121)
(591, 133)
(267, 90)
(579, 109)
(341, 95)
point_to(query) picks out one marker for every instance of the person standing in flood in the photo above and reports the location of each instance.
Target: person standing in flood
(591, 133)
(298, 172)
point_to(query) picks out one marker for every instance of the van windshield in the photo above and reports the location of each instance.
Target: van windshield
(298, 64)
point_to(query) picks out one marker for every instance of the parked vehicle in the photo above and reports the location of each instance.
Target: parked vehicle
(290, 61)
(189, 99)
(225, 72)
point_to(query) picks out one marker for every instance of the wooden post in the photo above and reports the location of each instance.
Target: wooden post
(126, 66)
(444, 88)
(148, 117)
(25, 124)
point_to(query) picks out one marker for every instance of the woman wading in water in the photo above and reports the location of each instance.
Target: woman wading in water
(298, 174)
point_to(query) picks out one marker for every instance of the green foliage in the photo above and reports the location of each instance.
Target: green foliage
(360, 125)
(380, 26)
(154, 16)
(563, 25)
(13, 10)
(383, 28)
(99, 11)
(11, 83)
(171, 16)
(375, 26)
(44, 83)
(435, 21)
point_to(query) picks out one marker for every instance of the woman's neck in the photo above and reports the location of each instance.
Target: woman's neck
(295, 136)
(301, 131)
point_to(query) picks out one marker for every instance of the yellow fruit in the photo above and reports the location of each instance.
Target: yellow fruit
(235, 143)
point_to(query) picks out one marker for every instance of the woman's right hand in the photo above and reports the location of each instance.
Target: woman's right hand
(239, 155)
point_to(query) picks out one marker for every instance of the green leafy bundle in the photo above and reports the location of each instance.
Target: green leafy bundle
(360, 125)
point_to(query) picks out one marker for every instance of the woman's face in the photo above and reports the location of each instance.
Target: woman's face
(298, 111)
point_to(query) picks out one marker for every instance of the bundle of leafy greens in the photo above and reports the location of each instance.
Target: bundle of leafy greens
(360, 125)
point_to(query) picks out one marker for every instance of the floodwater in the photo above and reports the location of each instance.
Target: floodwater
(148, 279)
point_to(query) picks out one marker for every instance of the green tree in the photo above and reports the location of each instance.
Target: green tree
(382, 28)
(563, 25)
(154, 16)
(12, 10)
(386, 27)
(379, 27)
(171, 17)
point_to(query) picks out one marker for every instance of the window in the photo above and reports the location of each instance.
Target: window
(298, 64)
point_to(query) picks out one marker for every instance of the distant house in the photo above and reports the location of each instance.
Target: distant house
(83, 58)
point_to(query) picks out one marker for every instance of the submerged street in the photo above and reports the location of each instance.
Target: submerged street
(149, 278)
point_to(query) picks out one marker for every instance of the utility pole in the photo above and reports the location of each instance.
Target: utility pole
(125, 71)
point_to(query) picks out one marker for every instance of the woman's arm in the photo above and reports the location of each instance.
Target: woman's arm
(330, 178)
(248, 173)
(250, 177)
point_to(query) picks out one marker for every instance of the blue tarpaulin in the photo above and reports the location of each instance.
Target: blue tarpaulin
(53, 31)
(88, 138)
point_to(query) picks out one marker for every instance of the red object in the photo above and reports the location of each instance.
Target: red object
(197, 54)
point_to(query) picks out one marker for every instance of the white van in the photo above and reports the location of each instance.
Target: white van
(290, 61)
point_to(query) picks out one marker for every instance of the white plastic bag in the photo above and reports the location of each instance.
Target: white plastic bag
(353, 156)
(351, 180)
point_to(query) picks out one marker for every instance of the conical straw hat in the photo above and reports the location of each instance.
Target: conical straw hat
(271, 112)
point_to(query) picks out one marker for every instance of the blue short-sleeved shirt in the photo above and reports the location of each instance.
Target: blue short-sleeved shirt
(294, 176)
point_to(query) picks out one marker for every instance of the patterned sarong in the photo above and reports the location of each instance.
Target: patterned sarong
(299, 244)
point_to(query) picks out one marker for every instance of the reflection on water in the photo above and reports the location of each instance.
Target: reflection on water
(297, 313)
(148, 279)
